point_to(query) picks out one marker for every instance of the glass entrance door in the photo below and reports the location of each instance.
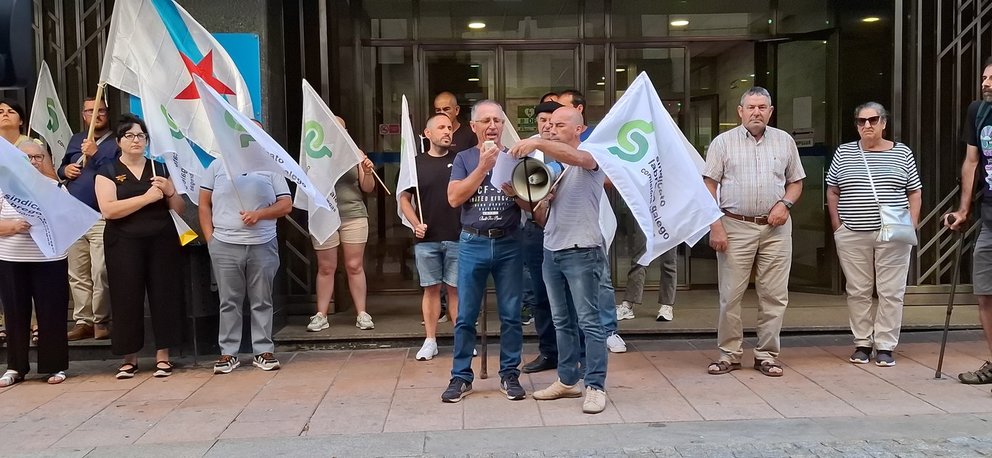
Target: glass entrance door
(800, 74)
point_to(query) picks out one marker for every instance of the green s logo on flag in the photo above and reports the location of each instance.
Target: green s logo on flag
(313, 134)
(53, 119)
(233, 124)
(632, 144)
(173, 128)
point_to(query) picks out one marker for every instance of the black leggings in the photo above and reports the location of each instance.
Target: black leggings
(46, 284)
(136, 265)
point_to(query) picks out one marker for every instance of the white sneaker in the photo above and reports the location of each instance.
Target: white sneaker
(318, 322)
(428, 351)
(665, 313)
(595, 401)
(475, 352)
(616, 344)
(557, 390)
(364, 321)
(625, 311)
(443, 319)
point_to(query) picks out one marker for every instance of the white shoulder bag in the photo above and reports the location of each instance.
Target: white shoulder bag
(897, 224)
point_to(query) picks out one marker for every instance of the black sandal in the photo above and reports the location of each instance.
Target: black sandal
(722, 367)
(765, 366)
(34, 335)
(3, 336)
(163, 369)
(126, 371)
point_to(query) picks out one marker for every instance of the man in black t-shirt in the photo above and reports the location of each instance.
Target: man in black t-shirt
(977, 133)
(462, 136)
(437, 232)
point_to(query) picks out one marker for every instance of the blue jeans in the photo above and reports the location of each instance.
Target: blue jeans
(533, 253)
(607, 298)
(478, 257)
(573, 278)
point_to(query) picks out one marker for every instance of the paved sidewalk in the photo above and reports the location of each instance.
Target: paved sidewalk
(384, 402)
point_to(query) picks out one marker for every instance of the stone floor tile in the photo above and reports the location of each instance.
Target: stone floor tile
(421, 409)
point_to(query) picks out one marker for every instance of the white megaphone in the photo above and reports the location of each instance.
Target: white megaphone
(532, 179)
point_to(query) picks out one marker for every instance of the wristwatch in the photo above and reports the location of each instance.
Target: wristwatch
(787, 204)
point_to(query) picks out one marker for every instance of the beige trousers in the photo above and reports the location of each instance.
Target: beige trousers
(88, 278)
(868, 266)
(769, 249)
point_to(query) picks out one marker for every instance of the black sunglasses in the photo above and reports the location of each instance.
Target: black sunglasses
(871, 120)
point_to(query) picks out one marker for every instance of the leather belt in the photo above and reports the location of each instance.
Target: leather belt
(759, 220)
(488, 233)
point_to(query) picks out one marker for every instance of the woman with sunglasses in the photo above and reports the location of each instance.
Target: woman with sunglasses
(141, 248)
(890, 168)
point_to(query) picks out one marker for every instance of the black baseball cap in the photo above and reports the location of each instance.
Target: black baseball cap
(546, 107)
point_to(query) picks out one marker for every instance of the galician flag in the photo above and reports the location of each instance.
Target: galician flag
(169, 144)
(651, 164)
(47, 117)
(408, 162)
(159, 42)
(326, 153)
(57, 219)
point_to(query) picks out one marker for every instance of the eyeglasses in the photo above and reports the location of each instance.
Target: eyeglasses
(135, 137)
(871, 120)
(497, 121)
(89, 112)
(36, 157)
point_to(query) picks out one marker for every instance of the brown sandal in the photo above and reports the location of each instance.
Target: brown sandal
(765, 366)
(722, 367)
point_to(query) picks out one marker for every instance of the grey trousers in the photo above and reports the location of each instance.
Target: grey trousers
(666, 287)
(245, 271)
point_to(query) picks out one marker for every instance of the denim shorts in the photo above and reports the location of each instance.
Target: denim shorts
(437, 262)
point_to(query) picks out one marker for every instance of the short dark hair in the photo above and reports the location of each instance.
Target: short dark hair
(546, 107)
(988, 62)
(128, 120)
(436, 115)
(552, 93)
(16, 106)
(577, 97)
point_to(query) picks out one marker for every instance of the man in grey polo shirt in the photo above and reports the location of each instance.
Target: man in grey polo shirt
(239, 226)
(574, 261)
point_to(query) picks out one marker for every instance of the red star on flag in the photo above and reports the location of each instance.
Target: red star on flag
(205, 70)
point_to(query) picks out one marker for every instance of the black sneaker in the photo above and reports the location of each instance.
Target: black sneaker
(510, 386)
(861, 355)
(883, 358)
(457, 389)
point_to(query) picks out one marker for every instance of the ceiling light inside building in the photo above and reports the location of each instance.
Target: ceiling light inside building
(601, 83)
(476, 25)
(474, 79)
(621, 69)
(871, 19)
(680, 23)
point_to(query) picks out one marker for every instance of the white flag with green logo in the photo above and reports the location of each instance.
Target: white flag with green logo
(246, 147)
(170, 145)
(47, 117)
(408, 162)
(651, 164)
(326, 153)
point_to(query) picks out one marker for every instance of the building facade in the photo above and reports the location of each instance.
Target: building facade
(819, 59)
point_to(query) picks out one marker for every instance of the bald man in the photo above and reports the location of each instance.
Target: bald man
(574, 261)
(463, 137)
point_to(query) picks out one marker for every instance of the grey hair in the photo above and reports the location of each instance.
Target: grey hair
(756, 90)
(882, 112)
(483, 102)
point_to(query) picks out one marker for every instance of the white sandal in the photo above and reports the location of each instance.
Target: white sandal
(57, 378)
(9, 378)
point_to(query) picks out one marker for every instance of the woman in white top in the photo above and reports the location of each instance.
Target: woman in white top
(27, 276)
(857, 168)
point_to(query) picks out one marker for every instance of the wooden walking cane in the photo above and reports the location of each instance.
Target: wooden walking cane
(956, 272)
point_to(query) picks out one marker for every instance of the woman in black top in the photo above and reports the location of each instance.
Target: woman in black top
(141, 248)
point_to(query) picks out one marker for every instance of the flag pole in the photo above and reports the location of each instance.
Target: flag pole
(376, 175)
(96, 112)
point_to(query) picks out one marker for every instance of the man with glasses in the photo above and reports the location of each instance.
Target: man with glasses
(757, 171)
(489, 244)
(87, 271)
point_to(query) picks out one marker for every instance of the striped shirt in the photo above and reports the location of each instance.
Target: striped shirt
(752, 174)
(893, 171)
(573, 219)
(19, 247)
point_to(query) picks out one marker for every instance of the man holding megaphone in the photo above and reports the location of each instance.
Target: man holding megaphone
(574, 260)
